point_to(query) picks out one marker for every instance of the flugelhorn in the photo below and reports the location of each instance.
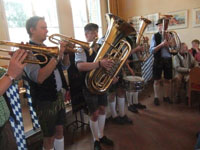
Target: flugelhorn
(31, 58)
(79, 45)
(171, 36)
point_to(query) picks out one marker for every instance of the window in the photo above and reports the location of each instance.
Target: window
(87, 11)
(18, 11)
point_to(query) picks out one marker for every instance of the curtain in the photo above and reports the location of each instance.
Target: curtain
(113, 7)
(4, 35)
(65, 18)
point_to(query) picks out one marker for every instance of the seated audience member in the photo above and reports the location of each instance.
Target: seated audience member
(195, 50)
(184, 62)
(15, 69)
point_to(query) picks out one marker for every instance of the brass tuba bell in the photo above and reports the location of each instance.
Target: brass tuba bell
(116, 48)
(143, 41)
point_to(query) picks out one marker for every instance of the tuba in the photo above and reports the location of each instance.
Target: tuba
(143, 41)
(171, 36)
(116, 48)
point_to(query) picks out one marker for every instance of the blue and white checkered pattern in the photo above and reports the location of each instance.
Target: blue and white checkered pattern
(147, 69)
(18, 127)
(32, 112)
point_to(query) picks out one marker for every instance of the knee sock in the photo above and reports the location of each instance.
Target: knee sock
(94, 128)
(135, 97)
(121, 104)
(59, 144)
(156, 89)
(101, 122)
(113, 108)
(129, 98)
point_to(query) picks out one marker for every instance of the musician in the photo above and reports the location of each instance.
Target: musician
(132, 97)
(184, 62)
(96, 103)
(15, 69)
(162, 63)
(195, 50)
(117, 90)
(46, 82)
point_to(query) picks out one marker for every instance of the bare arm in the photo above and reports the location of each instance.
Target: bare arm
(15, 70)
(65, 60)
(129, 68)
(137, 49)
(46, 71)
(87, 66)
(161, 45)
(64, 57)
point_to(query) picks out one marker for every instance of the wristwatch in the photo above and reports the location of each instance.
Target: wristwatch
(10, 77)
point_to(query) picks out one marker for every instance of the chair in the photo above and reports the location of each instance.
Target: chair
(194, 82)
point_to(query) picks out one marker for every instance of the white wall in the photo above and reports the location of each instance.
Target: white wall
(129, 8)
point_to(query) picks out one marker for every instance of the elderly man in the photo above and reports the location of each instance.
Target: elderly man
(184, 62)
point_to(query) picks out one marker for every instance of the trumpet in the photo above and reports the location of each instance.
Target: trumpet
(57, 38)
(31, 58)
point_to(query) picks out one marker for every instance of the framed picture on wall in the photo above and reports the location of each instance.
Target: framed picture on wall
(152, 28)
(196, 17)
(179, 19)
(135, 21)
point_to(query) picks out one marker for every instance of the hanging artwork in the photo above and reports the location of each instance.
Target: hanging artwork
(135, 21)
(196, 17)
(152, 28)
(179, 19)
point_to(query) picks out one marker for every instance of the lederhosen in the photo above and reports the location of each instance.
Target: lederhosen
(161, 64)
(93, 100)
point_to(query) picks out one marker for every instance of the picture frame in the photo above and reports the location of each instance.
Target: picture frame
(135, 21)
(196, 17)
(152, 28)
(179, 19)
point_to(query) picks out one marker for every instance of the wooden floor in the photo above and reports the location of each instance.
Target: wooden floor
(164, 127)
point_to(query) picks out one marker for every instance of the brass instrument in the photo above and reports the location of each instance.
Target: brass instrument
(115, 48)
(143, 41)
(171, 36)
(57, 38)
(31, 58)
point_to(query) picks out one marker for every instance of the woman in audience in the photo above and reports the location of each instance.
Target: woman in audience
(195, 50)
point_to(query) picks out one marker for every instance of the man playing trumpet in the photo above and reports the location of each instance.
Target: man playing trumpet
(46, 82)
